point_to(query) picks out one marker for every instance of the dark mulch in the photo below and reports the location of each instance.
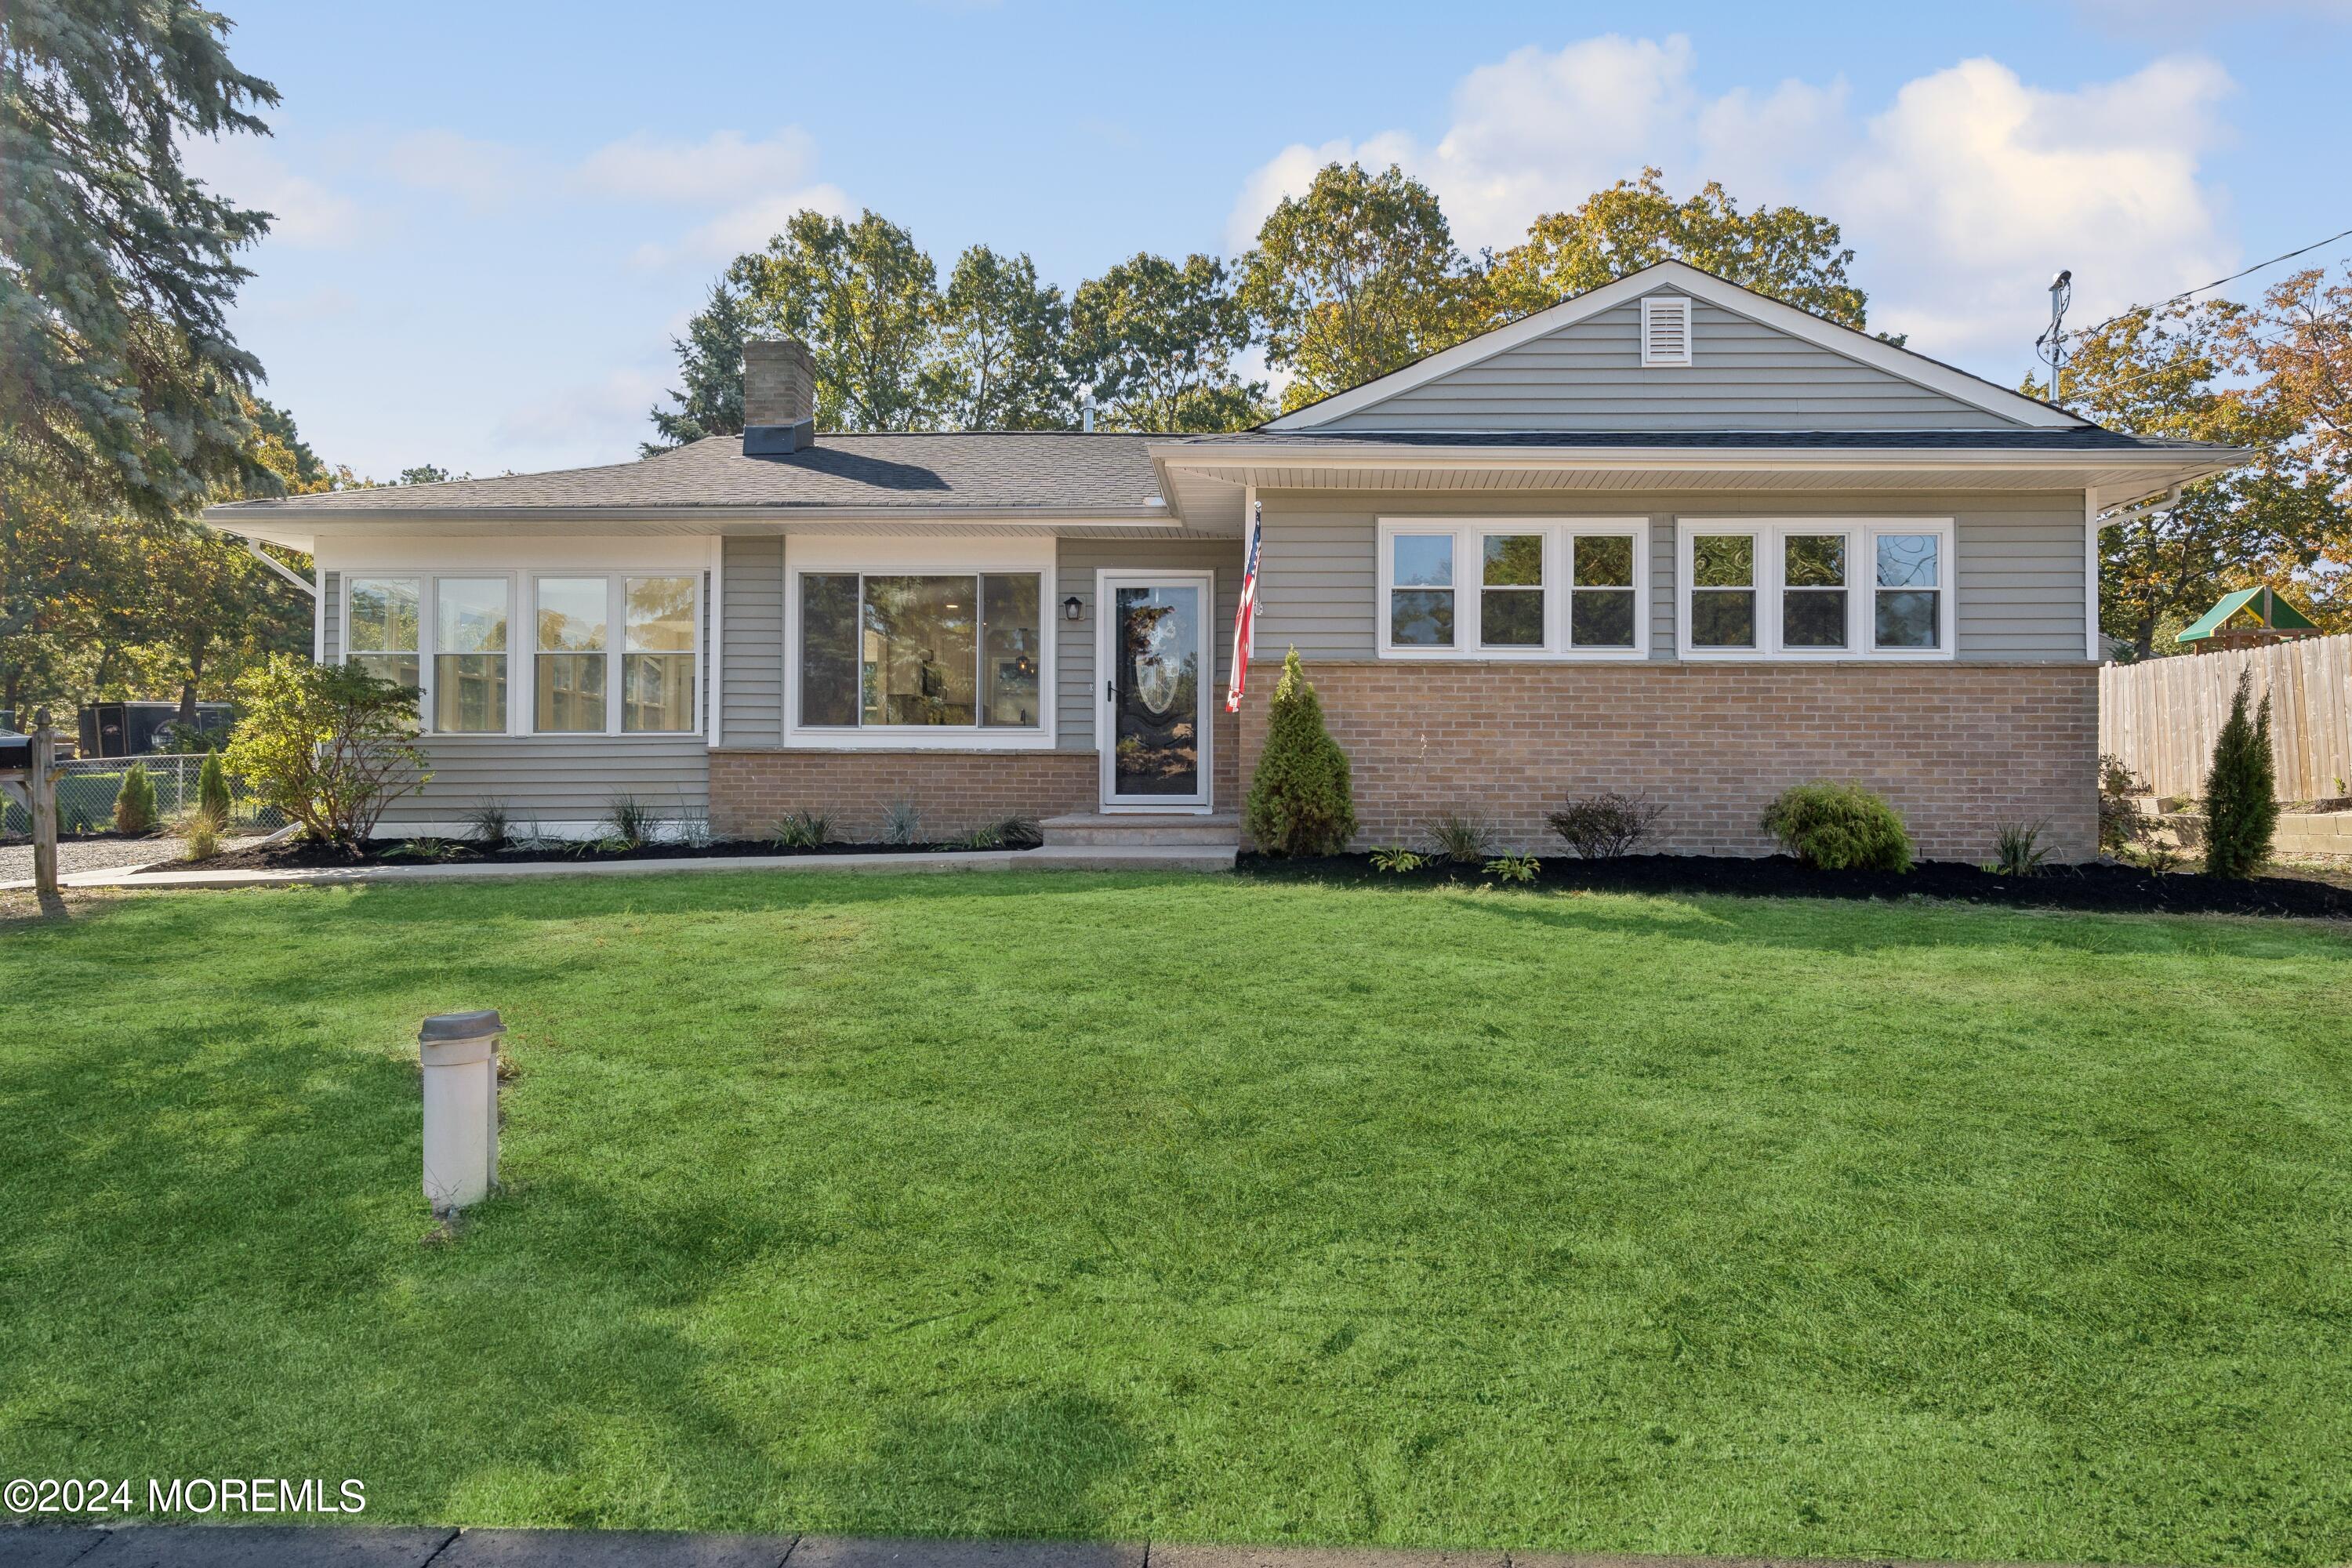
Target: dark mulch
(2122, 888)
(300, 855)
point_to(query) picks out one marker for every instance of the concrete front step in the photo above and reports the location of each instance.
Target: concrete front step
(1131, 857)
(1097, 829)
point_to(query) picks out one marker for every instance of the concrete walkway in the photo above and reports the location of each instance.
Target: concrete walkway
(1053, 858)
(333, 1546)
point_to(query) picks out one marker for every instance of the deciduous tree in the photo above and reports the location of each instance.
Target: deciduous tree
(1786, 252)
(1359, 277)
(1001, 351)
(863, 296)
(1157, 341)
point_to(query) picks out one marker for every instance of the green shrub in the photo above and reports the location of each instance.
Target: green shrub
(330, 745)
(1521, 868)
(902, 822)
(1838, 827)
(2122, 824)
(801, 830)
(1602, 826)
(634, 822)
(2241, 791)
(2018, 850)
(490, 824)
(1398, 859)
(134, 803)
(1300, 799)
(212, 788)
(202, 833)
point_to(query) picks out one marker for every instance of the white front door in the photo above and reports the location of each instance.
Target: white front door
(1159, 678)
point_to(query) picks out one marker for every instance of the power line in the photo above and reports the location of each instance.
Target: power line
(2232, 278)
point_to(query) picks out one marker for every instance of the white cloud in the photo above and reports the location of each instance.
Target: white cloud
(722, 167)
(573, 422)
(245, 170)
(1973, 188)
(482, 174)
(748, 226)
(1961, 195)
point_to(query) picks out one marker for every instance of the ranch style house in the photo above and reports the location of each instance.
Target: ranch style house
(1669, 536)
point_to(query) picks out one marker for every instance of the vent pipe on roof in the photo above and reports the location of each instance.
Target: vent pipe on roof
(1086, 414)
(779, 397)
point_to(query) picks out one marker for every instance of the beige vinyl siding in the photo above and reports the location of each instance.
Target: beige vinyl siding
(2018, 566)
(751, 662)
(1078, 685)
(557, 779)
(1744, 376)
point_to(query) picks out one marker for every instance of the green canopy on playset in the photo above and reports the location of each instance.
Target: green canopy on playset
(2273, 614)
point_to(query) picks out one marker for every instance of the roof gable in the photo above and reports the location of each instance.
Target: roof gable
(1755, 365)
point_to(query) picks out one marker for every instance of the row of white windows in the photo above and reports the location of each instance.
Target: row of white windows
(1789, 588)
(607, 654)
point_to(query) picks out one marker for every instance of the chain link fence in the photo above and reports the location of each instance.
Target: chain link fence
(87, 787)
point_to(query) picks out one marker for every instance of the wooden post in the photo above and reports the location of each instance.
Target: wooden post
(42, 781)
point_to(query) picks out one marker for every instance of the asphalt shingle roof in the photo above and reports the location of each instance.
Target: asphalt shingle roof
(981, 469)
(998, 471)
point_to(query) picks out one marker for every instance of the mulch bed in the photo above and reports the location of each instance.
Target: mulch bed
(299, 854)
(2118, 889)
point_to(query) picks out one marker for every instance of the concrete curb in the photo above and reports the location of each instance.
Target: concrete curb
(335, 1546)
(1054, 858)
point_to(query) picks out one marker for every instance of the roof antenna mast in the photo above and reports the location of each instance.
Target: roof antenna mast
(2050, 348)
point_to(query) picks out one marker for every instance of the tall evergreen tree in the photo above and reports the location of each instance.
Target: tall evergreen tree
(119, 381)
(1157, 343)
(2241, 790)
(710, 364)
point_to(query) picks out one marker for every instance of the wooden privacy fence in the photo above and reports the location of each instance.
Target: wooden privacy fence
(2161, 716)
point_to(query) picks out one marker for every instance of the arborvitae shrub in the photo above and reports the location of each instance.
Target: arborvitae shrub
(212, 788)
(2241, 808)
(1300, 800)
(134, 803)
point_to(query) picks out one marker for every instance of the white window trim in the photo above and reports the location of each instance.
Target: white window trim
(1862, 588)
(1652, 306)
(522, 644)
(974, 737)
(1559, 534)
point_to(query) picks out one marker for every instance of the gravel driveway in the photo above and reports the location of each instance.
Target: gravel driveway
(97, 855)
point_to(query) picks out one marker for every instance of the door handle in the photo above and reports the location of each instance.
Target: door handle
(1110, 690)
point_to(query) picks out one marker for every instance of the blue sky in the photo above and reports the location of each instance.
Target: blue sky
(494, 216)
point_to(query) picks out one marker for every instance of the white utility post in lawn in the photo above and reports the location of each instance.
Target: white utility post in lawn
(460, 1056)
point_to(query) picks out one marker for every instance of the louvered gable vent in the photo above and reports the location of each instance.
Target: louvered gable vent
(1667, 329)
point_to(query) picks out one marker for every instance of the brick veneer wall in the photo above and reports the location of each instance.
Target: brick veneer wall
(1960, 749)
(955, 789)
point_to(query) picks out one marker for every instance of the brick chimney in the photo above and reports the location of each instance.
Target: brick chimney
(779, 397)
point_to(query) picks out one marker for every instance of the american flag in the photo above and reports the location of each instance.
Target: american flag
(1245, 618)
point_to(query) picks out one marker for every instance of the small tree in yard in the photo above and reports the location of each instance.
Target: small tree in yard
(134, 803)
(2241, 808)
(1299, 799)
(330, 745)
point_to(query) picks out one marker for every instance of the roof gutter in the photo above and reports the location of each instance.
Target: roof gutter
(1696, 459)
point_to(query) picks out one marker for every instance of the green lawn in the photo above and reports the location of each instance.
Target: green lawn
(1201, 1209)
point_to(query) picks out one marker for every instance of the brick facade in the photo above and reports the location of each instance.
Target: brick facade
(1960, 749)
(955, 789)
